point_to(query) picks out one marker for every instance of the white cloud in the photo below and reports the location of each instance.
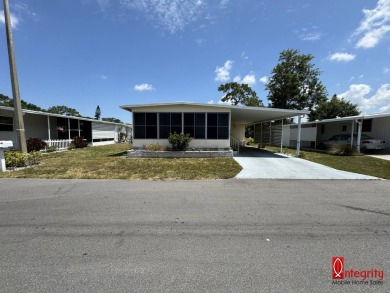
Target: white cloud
(223, 73)
(173, 15)
(104, 77)
(13, 17)
(386, 70)
(374, 26)
(264, 79)
(359, 93)
(309, 34)
(345, 57)
(223, 3)
(247, 79)
(143, 87)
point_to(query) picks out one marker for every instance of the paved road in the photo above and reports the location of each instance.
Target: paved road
(191, 236)
(262, 164)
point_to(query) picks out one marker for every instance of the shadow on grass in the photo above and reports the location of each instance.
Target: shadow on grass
(120, 154)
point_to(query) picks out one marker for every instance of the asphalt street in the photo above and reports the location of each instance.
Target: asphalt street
(192, 236)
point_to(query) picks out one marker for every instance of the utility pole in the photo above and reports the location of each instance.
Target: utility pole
(18, 115)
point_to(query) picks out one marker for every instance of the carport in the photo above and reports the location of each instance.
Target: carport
(264, 116)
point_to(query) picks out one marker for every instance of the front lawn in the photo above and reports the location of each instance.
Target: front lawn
(358, 164)
(108, 162)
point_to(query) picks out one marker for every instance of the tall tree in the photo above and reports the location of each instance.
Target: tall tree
(236, 93)
(64, 110)
(333, 108)
(295, 83)
(97, 113)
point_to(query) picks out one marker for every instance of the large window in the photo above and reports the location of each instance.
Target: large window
(198, 125)
(195, 125)
(367, 123)
(145, 125)
(6, 123)
(170, 123)
(217, 125)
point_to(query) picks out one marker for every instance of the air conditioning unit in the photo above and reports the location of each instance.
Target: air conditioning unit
(6, 144)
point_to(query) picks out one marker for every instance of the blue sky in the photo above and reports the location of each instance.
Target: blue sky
(84, 53)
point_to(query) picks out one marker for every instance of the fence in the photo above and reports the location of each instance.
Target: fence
(61, 144)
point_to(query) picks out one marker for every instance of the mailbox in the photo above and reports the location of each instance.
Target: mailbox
(5, 144)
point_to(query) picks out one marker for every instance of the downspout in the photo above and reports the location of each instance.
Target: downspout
(299, 138)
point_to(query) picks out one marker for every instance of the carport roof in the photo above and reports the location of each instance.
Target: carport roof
(240, 114)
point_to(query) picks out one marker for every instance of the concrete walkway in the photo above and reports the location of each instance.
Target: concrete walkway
(261, 164)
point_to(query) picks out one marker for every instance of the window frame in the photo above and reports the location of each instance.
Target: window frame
(7, 126)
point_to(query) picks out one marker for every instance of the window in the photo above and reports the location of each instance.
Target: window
(6, 123)
(145, 125)
(322, 128)
(217, 125)
(169, 123)
(344, 127)
(367, 124)
(195, 125)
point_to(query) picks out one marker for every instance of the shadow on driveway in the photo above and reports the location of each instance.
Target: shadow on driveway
(247, 152)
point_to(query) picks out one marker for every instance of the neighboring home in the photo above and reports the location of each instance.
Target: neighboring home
(312, 133)
(58, 130)
(216, 126)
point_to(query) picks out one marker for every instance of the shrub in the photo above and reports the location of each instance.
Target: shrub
(35, 144)
(51, 149)
(71, 146)
(179, 142)
(249, 140)
(17, 159)
(154, 147)
(79, 142)
(122, 137)
(343, 150)
(34, 158)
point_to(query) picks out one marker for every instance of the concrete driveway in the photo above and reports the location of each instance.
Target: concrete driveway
(261, 164)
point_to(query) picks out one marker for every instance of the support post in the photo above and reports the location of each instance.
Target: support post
(2, 161)
(18, 114)
(281, 140)
(78, 125)
(299, 137)
(69, 128)
(359, 135)
(48, 129)
(352, 131)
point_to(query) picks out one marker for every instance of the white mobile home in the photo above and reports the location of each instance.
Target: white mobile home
(59, 130)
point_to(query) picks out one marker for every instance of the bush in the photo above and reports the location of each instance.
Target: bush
(35, 144)
(79, 142)
(17, 159)
(122, 137)
(249, 140)
(154, 147)
(179, 142)
(51, 149)
(343, 150)
(34, 158)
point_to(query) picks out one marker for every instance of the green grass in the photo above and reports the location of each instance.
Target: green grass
(357, 164)
(108, 162)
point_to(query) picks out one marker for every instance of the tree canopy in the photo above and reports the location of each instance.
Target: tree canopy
(112, 119)
(295, 83)
(236, 93)
(333, 108)
(8, 102)
(64, 110)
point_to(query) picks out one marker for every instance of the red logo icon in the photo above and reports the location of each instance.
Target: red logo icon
(338, 267)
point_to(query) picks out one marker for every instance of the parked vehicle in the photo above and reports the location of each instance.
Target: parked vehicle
(366, 143)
